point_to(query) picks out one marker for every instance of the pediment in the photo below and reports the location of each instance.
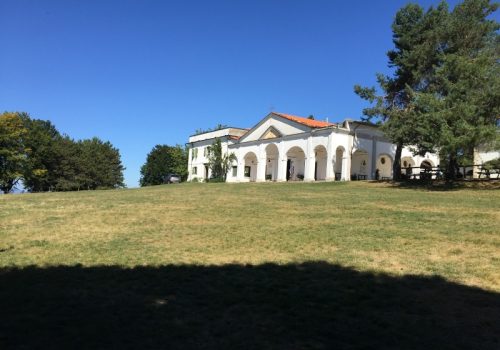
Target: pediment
(273, 126)
(271, 133)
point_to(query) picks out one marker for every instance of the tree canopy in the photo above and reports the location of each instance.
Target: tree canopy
(161, 161)
(13, 152)
(34, 152)
(218, 161)
(444, 95)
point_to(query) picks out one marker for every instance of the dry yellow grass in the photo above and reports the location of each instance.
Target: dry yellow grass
(366, 226)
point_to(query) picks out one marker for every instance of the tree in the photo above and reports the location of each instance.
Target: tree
(102, 167)
(163, 160)
(445, 93)
(413, 57)
(12, 150)
(461, 109)
(42, 160)
(218, 161)
(69, 173)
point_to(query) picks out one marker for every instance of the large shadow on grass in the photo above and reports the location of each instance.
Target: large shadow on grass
(307, 306)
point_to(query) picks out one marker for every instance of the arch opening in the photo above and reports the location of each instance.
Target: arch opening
(384, 166)
(295, 164)
(359, 165)
(250, 167)
(272, 157)
(339, 159)
(321, 156)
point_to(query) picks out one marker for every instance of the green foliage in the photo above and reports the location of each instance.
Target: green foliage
(43, 160)
(163, 160)
(102, 164)
(219, 162)
(217, 127)
(445, 93)
(492, 164)
(12, 150)
(34, 151)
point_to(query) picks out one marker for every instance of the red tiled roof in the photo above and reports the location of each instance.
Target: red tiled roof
(305, 121)
(234, 137)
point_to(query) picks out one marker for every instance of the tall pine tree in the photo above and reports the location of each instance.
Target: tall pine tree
(444, 95)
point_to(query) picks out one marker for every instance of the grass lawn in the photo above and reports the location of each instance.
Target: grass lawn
(288, 266)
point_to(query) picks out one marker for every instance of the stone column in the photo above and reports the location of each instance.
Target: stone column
(261, 169)
(281, 163)
(346, 168)
(309, 161)
(309, 168)
(240, 173)
(330, 154)
(374, 157)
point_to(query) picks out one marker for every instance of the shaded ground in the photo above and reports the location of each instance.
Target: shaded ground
(313, 305)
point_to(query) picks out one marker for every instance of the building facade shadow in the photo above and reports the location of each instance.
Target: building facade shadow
(313, 305)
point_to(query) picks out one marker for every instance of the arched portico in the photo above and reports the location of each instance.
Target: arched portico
(407, 162)
(340, 167)
(321, 156)
(272, 159)
(250, 167)
(359, 165)
(426, 164)
(384, 166)
(295, 164)
(407, 165)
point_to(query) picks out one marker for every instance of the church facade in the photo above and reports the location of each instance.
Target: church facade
(284, 147)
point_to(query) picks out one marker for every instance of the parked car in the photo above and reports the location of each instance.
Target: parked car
(172, 179)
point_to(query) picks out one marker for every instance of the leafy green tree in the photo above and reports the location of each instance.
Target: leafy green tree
(102, 167)
(161, 161)
(218, 161)
(43, 160)
(69, 174)
(13, 152)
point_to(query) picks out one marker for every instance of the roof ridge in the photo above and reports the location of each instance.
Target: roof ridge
(305, 121)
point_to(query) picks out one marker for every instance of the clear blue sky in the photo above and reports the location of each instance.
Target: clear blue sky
(142, 72)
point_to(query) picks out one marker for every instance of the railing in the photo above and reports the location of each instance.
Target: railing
(463, 172)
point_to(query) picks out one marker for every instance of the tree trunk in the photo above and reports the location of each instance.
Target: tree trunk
(396, 167)
(452, 167)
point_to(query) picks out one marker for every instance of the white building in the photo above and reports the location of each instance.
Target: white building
(283, 147)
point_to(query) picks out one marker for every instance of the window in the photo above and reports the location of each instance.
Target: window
(235, 171)
(382, 160)
(194, 153)
(194, 171)
(206, 151)
(247, 171)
